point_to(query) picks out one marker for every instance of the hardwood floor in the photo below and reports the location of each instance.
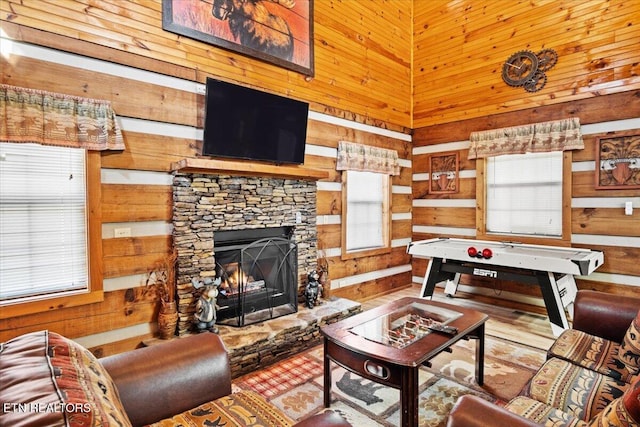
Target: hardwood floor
(526, 328)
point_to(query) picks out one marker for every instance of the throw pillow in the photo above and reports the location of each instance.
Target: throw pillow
(623, 411)
(48, 379)
(629, 353)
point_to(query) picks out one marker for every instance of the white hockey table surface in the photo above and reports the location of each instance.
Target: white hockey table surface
(555, 259)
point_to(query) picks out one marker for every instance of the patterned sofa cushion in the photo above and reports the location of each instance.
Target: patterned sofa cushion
(591, 352)
(542, 414)
(629, 353)
(50, 380)
(244, 408)
(573, 389)
(623, 411)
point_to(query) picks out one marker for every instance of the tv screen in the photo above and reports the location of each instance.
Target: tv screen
(244, 123)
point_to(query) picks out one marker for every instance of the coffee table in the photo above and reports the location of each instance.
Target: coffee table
(388, 344)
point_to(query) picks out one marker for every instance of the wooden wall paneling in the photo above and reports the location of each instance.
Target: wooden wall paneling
(119, 309)
(329, 202)
(583, 186)
(375, 287)
(148, 152)
(131, 202)
(351, 267)
(81, 47)
(329, 134)
(131, 98)
(445, 216)
(604, 108)
(617, 259)
(117, 347)
(134, 255)
(406, 174)
(400, 203)
(611, 288)
(467, 190)
(329, 235)
(401, 229)
(605, 221)
(137, 29)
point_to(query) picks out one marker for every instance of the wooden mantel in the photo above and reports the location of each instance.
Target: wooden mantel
(228, 167)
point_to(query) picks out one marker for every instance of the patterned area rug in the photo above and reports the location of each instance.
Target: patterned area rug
(295, 384)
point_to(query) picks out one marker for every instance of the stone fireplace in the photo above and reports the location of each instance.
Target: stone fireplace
(205, 204)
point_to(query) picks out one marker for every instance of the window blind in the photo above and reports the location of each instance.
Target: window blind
(43, 225)
(365, 196)
(524, 194)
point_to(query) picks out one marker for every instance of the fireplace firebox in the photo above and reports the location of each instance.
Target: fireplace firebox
(259, 274)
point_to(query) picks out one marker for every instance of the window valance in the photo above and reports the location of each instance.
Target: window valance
(364, 158)
(558, 135)
(29, 115)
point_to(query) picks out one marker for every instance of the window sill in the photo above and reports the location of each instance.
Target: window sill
(364, 253)
(43, 305)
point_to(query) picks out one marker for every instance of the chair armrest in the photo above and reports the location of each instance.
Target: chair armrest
(472, 411)
(604, 315)
(166, 379)
(324, 419)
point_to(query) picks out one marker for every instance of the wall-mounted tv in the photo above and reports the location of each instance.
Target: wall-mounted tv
(244, 123)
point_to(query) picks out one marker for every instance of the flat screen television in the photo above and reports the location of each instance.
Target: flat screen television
(244, 123)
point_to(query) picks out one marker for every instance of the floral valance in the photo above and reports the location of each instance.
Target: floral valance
(29, 115)
(364, 158)
(558, 135)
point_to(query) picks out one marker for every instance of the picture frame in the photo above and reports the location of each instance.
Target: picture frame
(618, 161)
(285, 28)
(444, 173)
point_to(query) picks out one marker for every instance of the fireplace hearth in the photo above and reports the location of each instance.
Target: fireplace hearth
(258, 270)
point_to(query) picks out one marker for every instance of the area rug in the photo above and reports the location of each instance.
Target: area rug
(295, 385)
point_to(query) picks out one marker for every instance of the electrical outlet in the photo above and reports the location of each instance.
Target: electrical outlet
(298, 218)
(122, 232)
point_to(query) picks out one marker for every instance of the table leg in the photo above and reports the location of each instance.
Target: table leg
(409, 397)
(327, 376)
(480, 354)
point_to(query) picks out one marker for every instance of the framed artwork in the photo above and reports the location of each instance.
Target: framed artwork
(444, 173)
(618, 161)
(275, 31)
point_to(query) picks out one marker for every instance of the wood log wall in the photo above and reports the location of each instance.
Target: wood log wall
(459, 51)
(118, 51)
(382, 68)
(597, 221)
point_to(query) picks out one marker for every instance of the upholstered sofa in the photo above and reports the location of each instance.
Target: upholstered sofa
(49, 380)
(591, 376)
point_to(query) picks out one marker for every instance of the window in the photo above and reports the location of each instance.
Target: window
(44, 227)
(366, 213)
(525, 195)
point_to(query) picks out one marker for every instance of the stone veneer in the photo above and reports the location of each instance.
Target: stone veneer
(256, 346)
(206, 203)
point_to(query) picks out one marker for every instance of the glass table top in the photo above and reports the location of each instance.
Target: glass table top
(404, 326)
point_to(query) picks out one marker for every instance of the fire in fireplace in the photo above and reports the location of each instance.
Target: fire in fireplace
(259, 274)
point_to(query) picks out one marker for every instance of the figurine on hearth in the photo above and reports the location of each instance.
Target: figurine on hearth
(313, 290)
(205, 315)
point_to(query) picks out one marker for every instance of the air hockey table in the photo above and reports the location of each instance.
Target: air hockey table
(551, 267)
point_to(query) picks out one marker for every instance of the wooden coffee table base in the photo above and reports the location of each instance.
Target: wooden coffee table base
(403, 377)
